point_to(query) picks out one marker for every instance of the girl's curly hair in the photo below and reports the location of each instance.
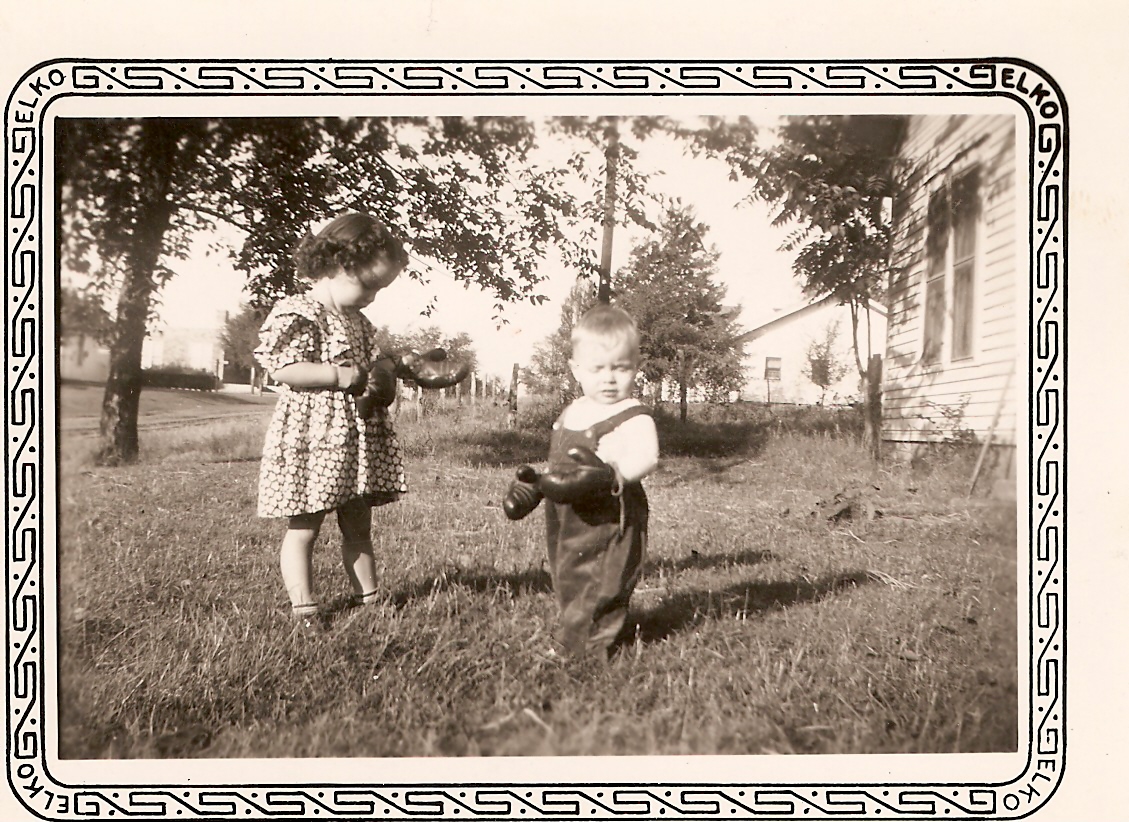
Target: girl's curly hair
(352, 241)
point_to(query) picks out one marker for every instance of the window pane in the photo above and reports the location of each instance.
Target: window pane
(772, 368)
(966, 213)
(964, 241)
(934, 319)
(962, 310)
(937, 241)
(966, 216)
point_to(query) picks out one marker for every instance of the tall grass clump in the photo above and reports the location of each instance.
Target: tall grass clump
(235, 440)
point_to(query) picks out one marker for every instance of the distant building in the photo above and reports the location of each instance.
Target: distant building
(196, 348)
(82, 358)
(776, 357)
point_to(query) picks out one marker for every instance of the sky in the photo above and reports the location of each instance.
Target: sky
(756, 274)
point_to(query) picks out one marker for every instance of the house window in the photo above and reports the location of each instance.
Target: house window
(953, 217)
(772, 368)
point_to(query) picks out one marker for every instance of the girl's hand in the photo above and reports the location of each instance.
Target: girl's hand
(351, 379)
(379, 389)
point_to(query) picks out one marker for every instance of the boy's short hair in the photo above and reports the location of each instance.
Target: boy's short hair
(607, 325)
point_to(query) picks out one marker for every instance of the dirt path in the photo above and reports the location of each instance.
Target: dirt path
(88, 426)
(80, 408)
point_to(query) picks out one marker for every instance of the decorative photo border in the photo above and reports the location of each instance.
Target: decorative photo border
(27, 244)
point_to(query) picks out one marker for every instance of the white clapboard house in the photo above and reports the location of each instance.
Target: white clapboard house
(954, 292)
(776, 352)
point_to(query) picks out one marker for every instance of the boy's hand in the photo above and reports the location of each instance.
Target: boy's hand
(589, 477)
(523, 496)
(431, 369)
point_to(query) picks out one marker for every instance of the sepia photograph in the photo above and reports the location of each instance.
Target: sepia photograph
(566, 436)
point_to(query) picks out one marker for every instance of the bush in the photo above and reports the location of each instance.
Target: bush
(841, 421)
(538, 413)
(175, 376)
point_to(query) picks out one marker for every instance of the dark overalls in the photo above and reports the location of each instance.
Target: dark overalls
(596, 548)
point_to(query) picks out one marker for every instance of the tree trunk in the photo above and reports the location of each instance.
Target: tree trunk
(611, 162)
(683, 388)
(873, 425)
(855, 345)
(869, 433)
(155, 148)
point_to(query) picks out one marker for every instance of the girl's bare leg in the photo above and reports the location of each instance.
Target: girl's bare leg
(296, 561)
(355, 521)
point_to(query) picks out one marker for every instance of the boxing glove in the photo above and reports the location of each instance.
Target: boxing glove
(380, 388)
(588, 476)
(523, 496)
(431, 369)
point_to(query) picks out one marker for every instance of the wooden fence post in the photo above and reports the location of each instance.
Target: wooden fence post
(511, 416)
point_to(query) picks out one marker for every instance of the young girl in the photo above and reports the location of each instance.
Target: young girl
(320, 455)
(602, 447)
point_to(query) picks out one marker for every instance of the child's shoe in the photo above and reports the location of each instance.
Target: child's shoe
(371, 598)
(308, 620)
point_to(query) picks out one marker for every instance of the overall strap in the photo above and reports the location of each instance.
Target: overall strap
(613, 422)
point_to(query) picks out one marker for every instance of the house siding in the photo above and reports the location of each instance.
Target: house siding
(789, 336)
(931, 402)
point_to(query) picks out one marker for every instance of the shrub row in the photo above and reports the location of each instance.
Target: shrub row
(179, 377)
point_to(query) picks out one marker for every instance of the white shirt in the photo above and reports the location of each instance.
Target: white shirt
(633, 447)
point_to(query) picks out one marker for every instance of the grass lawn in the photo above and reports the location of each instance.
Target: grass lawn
(758, 627)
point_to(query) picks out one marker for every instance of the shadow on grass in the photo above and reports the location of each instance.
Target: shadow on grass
(750, 598)
(718, 439)
(705, 561)
(735, 440)
(509, 447)
(536, 580)
(529, 581)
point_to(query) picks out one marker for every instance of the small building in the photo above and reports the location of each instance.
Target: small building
(83, 359)
(778, 353)
(951, 347)
(199, 349)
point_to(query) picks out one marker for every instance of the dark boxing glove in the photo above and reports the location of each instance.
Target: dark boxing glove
(431, 369)
(523, 496)
(588, 476)
(380, 387)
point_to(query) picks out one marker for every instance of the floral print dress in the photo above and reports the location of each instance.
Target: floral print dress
(318, 454)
